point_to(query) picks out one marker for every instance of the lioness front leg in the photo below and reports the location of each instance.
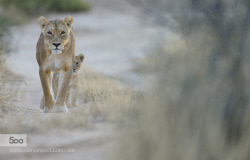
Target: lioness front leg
(43, 99)
(64, 79)
(42, 103)
(48, 103)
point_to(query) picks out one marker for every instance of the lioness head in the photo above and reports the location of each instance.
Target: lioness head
(77, 63)
(56, 33)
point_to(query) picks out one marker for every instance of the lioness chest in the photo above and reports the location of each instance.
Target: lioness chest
(57, 62)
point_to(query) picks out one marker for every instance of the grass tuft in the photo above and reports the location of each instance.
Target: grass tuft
(106, 98)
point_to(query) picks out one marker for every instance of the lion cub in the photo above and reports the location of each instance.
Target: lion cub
(72, 92)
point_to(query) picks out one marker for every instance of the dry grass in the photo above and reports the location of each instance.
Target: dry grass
(100, 98)
(197, 104)
(4, 94)
(106, 98)
(10, 110)
(185, 113)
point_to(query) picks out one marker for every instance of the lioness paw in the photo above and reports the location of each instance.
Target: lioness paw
(41, 105)
(47, 110)
(60, 109)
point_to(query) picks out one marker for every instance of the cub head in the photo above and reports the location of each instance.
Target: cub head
(56, 33)
(78, 60)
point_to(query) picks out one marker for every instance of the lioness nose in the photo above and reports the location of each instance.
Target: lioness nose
(56, 44)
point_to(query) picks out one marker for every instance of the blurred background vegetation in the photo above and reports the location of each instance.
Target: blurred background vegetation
(197, 105)
(39, 6)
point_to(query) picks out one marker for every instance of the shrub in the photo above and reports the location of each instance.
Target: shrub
(37, 6)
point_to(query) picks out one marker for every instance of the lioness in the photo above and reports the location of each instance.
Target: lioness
(55, 52)
(72, 92)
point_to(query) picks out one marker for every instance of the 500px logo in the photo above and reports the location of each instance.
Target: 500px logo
(13, 140)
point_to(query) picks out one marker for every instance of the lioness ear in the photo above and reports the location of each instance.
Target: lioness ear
(68, 21)
(81, 57)
(42, 21)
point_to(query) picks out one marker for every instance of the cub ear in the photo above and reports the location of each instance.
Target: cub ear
(42, 21)
(68, 21)
(81, 57)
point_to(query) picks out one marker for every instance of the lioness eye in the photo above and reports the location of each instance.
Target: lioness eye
(76, 62)
(62, 32)
(50, 33)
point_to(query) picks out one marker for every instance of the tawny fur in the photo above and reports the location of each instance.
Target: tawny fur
(55, 59)
(72, 92)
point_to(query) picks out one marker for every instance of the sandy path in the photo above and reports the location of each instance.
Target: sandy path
(112, 39)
